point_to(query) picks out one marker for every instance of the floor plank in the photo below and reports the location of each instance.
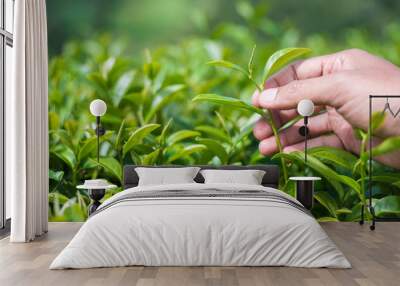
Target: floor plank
(375, 257)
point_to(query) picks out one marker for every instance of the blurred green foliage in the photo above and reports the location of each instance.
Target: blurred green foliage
(144, 23)
(151, 118)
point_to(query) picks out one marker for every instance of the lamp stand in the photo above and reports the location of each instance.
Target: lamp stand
(100, 131)
(304, 132)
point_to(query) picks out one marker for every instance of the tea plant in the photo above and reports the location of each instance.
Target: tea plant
(275, 62)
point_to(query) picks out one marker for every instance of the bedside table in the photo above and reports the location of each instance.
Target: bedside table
(96, 191)
(305, 190)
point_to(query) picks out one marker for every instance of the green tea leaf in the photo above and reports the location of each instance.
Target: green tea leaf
(150, 159)
(355, 214)
(387, 146)
(327, 201)
(215, 147)
(65, 153)
(107, 67)
(327, 219)
(387, 207)
(351, 183)
(74, 212)
(324, 171)
(245, 131)
(111, 166)
(137, 136)
(335, 156)
(214, 132)
(163, 134)
(162, 99)
(82, 203)
(88, 146)
(360, 134)
(390, 178)
(250, 63)
(223, 123)
(122, 86)
(98, 80)
(343, 211)
(56, 175)
(227, 101)
(290, 123)
(377, 120)
(181, 135)
(245, 9)
(142, 149)
(357, 168)
(120, 135)
(229, 65)
(54, 121)
(53, 197)
(281, 58)
(187, 151)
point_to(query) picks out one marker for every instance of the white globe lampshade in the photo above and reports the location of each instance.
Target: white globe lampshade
(305, 107)
(98, 107)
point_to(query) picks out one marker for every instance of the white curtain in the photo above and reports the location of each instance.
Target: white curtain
(27, 124)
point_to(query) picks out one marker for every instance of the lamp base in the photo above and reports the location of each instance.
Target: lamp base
(96, 195)
(305, 190)
(305, 193)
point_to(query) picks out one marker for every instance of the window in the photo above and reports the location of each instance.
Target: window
(6, 62)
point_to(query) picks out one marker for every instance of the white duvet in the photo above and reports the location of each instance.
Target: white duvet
(200, 231)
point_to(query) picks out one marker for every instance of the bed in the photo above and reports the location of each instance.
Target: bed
(197, 224)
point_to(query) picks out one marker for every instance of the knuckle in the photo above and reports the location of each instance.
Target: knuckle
(262, 149)
(346, 130)
(294, 87)
(354, 53)
(257, 133)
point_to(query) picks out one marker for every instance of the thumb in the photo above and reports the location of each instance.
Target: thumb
(322, 90)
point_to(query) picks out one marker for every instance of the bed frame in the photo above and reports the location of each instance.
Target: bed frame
(270, 179)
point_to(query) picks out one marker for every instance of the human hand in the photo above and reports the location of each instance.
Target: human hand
(340, 84)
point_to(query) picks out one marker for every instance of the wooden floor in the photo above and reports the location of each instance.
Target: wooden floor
(375, 257)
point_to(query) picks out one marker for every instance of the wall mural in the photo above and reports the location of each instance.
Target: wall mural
(188, 102)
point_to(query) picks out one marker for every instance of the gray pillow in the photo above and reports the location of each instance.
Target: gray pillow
(166, 176)
(248, 177)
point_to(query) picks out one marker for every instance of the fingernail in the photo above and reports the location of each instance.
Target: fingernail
(268, 95)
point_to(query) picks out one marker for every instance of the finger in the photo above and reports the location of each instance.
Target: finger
(287, 115)
(255, 97)
(326, 140)
(300, 70)
(263, 130)
(322, 91)
(317, 126)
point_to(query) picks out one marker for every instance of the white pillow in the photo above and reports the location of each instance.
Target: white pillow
(166, 176)
(248, 177)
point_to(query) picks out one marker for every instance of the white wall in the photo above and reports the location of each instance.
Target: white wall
(8, 86)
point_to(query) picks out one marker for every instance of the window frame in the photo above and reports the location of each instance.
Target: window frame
(6, 39)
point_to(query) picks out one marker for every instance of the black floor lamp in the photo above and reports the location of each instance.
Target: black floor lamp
(394, 114)
(97, 187)
(305, 108)
(98, 108)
